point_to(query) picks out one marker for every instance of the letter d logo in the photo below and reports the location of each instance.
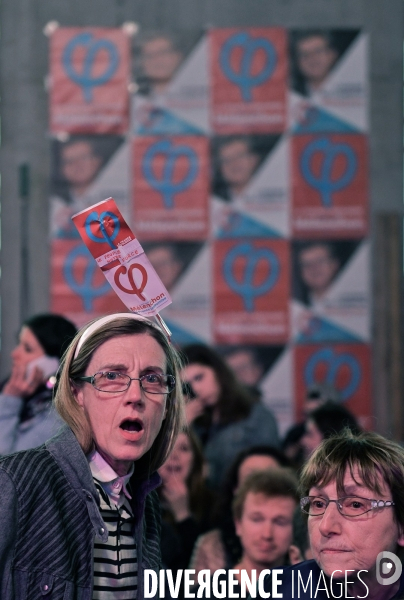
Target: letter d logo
(384, 568)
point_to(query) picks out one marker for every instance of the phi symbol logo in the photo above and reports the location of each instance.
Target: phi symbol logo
(334, 361)
(244, 285)
(133, 289)
(84, 76)
(323, 181)
(245, 77)
(108, 224)
(165, 183)
(83, 286)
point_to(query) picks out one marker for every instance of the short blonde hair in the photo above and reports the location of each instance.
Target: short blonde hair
(73, 367)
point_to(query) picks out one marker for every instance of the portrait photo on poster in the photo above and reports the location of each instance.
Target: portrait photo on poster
(235, 160)
(171, 259)
(157, 56)
(315, 266)
(313, 55)
(76, 164)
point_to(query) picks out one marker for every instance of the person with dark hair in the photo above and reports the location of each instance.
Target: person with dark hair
(352, 496)
(221, 548)
(80, 517)
(315, 55)
(236, 160)
(223, 413)
(26, 416)
(318, 266)
(324, 422)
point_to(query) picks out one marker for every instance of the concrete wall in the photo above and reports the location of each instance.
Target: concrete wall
(24, 65)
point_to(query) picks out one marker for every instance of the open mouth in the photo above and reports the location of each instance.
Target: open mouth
(131, 425)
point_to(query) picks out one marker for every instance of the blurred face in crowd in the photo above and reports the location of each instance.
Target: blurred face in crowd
(246, 369)
(168, 267)
(27, 349)
(353, 543)
(180, 461)
(312, 438)
(79, 164)
(265, 530)
(160, 60)
(255, 462)
(204, 382)
(318, 268)
(315, 58)
(237, 164)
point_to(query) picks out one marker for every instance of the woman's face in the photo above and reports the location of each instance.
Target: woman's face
(180, 461)
(204, 382)
(27, 349)
(312, 438)
(124, 424)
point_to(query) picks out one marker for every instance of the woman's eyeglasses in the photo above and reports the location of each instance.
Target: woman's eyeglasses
(114, 382)
(348, 506)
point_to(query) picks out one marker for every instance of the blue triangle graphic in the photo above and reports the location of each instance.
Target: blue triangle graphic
(161, 121)
(321, 330)
(320, 121)
(181, 337)
(239, 225)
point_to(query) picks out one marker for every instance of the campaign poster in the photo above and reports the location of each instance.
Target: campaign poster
(330, 70)
(89, 78)
(331, 290)
(250, 186)
(251, 291)
(330, 186)
(172, 79)
(86, 169)
(346, 367)
(79, 289)
(171, 188)
(249, 73)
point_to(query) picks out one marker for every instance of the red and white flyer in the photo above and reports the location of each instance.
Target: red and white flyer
(121, 258)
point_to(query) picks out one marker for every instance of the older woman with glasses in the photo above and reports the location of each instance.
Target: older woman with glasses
(78, 515)
(353, 498)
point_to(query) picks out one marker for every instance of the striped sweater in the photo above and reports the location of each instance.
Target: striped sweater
(50, 520)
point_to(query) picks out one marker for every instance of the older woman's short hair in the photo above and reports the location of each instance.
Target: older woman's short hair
(367, 455)
(72, 367)
(271, 483)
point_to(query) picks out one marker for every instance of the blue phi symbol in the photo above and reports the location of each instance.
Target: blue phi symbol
(246, 287)
(334, 362)
(85, 288)
(169, 154)
(244, 77)
(324, 182)
(95, 217)
(83, 77)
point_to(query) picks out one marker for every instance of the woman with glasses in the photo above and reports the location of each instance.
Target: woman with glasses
(79, 515)
(353, 497)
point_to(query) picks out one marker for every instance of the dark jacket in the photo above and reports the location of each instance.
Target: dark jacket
(49, 519)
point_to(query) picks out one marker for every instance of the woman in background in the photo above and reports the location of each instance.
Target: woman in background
(26, 416)
(226, 418)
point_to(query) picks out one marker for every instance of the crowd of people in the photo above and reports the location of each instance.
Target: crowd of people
(139, 432)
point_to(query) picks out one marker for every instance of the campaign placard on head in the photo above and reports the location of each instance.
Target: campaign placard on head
(249, 80)
(121, 258)
(90, 70)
